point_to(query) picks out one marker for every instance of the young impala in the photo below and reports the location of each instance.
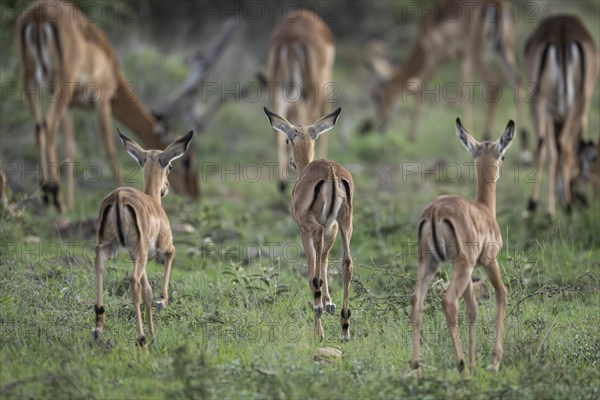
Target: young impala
(321, 203)
(136, 220)
(465, 233)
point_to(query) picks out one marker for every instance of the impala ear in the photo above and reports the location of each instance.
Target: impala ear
(281, 124)
(175, 149)
(133, 149)
(506, 139)
(466, 139)
(324, 124)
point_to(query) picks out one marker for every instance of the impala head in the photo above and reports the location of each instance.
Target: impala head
(487, 155)
(301, 138)
(184, 175)
(156, 164)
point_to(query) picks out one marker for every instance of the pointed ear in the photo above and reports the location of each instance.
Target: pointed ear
(466, 139)
(281, 124)
(133, 149)
(506, 139)
(324, 124)
(175, 149)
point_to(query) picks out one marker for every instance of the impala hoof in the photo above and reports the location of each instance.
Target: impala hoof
(318, 310)
(160, 305)
(330, 308)
(51, 192)
(345, 337)
(492, 368)
(96, 332)
(282, 185)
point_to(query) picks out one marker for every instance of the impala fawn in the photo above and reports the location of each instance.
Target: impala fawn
(136, 220)
(452, 228)
(321, 204)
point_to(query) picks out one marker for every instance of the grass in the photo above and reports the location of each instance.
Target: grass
(239, 322)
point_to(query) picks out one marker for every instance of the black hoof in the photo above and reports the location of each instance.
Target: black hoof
(51, 190)
(569, 209)
(330, 308)
(532, 205)
(282, 185)
(581, 199)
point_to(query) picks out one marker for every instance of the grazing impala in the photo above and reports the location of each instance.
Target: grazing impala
(321, 203)
(301, 56)
(62, 52)
(465, 29)
(465, 233)
(137, 221)
(562, 61)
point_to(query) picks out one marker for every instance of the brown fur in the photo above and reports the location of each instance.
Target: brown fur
(136, 220)
(80, 53)
(560, 125)
(321, 204)
(452, 228)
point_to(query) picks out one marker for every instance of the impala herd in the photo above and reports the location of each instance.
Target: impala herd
(70, 53)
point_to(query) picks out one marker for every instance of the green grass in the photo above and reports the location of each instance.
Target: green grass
(239, 322)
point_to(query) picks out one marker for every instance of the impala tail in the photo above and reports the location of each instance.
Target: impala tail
(439, 237)
(125, 217)
(290, 68)
(333, 197)
(41, 49)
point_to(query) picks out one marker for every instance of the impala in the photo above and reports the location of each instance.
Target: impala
(562, 61)
(466, 233)
(300, 63)
(465, 29)
(61, 51)
(321, 204)
(136, 220)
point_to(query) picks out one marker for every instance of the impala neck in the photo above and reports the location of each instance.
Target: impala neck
(130, 110)
(486, 186)
(152, 186)
(409, 69)
(303, 156)
(153, 190)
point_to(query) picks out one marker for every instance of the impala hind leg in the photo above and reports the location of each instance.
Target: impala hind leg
(69, 145)
(313, 248)
(32, 93)
(461, 278)
(139, 270)
(104, 111)
(329, 240)
(428, 266)
(471, 309)
(147, 295)
(493, 272)
(102, 254)
(345, 224)
(54, 116)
